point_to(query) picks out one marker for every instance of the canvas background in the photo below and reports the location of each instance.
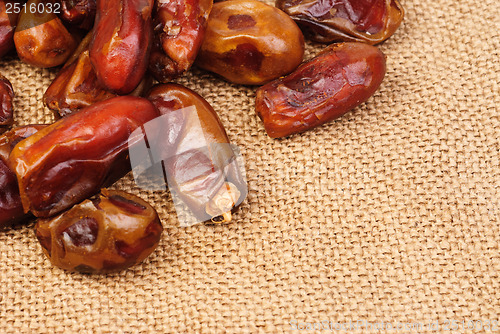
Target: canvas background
(390, 213)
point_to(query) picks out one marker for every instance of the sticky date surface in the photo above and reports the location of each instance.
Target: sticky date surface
(326, 21)
(73, 158)
(337, 80)
(111, 232)
(6, 98)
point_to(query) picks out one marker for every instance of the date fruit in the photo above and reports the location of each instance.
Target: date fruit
(79, 13)
(109, 233)
(11, 208)
(76, 156)
(338, 79)
(369, 21)
(121, 43)
(8, 23)
(6, 109)
(179, 27)
(199, 162)
(41, 38)
(248, 42)
(76, 86)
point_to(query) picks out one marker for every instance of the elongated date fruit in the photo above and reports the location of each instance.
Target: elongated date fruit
(8, 22)
(199, 162)
(76, 86)
(41, 38)
(338, 79)
(370, 21)
(121, 43)
(111, 232)
(11, 207)
(73, 158)
(79, 13)
(179, 27)
(251, 43)
(6, 109)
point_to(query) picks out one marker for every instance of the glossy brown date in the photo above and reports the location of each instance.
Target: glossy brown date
(76, 86)
(6, 98)
(8, 23)
(79, 13)
(41, 38)
(11, 208)
(370, 21)
(335, 81)
(210, 189)
(73, 158)
(108, 233)
(249, 42)
(121, 43)
(179, 27)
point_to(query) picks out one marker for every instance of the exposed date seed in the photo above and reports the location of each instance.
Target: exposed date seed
(120, 47)
(73, 158)
(6, 97)
(41, 38)
(249, 42)
(370, 21)
(11, 208)
(338, 79)
(110, 233)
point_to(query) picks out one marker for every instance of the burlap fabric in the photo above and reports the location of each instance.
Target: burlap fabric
(389, 214)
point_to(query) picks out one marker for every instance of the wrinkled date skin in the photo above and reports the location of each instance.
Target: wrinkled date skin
(109, 233)
(335, 81)
(210, 192)
(369, 21)
(79, 13)
(248, 42)
(73, 158)
(41, 38)
(121, 44)
(11, 208)
(179, 27)
(76, 86)
(8, 23)
(6, 109)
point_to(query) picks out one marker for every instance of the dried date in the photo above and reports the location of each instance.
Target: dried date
(76, 86)
(79, 13)
(121, 43)
(335, 81)
(41, 38)
(198, 160)
(73, 158)
(11, 208)
(8, 21)
(370, 21)
(249, 42)
(179, 30)
(109, 233)
(6, 109)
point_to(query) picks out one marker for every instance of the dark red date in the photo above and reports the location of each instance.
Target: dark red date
(8, 23)
(79, 13)
(76, 86)
(109, 233)
(179, 27)
(41, 38)
(11, 208)
(322, 89)
(251, 43)
(194, 145)
(6, 109)
(370, 21)
(121, 43)
(73, 158)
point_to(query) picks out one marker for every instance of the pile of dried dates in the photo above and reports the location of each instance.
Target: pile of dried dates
(110, 52)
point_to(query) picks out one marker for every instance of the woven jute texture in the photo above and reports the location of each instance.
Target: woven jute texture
(388, 214)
